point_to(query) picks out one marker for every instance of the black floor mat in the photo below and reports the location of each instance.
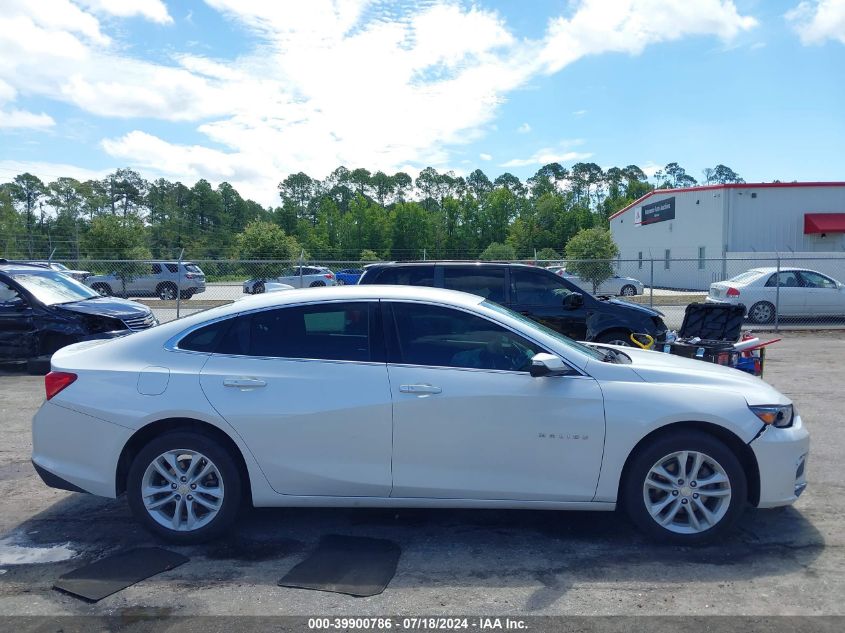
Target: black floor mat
(346, 564)
(113, 573)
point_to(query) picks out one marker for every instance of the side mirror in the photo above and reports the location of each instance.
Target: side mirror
(573, 300)
(543, 364)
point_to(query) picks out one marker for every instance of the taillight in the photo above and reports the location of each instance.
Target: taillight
(56, 381)
(329, 276)
(190, 276)
(732, 292)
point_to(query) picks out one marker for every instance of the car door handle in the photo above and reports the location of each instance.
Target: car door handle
(244, 383)
(419, 389)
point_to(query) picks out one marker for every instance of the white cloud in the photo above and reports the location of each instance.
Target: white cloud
(628, 26)
(818, 21)
(561, 154)
(364, 82)
(10, 119)
(524, 128)
(153, 10)
(483, 156)
(48, 171)
(579, 113)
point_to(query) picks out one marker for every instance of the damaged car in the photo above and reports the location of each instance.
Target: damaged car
(42, 310)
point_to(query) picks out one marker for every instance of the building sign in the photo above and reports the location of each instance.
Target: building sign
(655, 212)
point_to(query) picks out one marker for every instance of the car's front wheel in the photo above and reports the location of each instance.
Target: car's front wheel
(615, 337)
(687, 487)
(628, 290)
(184, 487)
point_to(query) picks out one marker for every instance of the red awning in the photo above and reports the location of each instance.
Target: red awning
(824, 223)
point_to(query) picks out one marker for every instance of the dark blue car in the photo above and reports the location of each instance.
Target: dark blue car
(348, 276)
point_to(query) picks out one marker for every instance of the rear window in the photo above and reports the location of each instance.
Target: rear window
(193, 268)
(405, 276)
(747, 275)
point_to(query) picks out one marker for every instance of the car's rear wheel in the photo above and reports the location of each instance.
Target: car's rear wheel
(317, 284)
(184, 487)
(615, 337)
(628, 290)
(103, 289)
(166, 292)
(686, 487)
(761, 312)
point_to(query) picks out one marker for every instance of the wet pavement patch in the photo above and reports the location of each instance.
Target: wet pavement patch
(113, 573)
(352, 565)
(248, 550)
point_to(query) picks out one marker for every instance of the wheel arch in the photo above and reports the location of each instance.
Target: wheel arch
(145, 434)
(739, 448)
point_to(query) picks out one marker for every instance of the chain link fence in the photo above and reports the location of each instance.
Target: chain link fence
(779, 292)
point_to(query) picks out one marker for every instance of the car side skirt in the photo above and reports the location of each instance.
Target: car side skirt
(425, 502)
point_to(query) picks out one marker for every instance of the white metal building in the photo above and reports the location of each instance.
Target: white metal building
(697, 235)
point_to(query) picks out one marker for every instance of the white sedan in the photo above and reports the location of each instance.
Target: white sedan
(438, 399)
(796, 292)
(614, 285)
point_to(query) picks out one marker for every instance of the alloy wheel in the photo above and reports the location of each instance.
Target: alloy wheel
(687, 492)
(182, 490)
(761, 313)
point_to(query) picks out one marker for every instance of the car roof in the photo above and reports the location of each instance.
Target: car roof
(438, 262)
(15, 266)
(783, 269)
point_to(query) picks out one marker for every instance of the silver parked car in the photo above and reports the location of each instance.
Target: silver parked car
(162, 279)
(79, 275)
(298, 277)
(616, 285)
(797, 292)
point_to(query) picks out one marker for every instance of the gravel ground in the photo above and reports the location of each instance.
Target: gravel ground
(779, 562)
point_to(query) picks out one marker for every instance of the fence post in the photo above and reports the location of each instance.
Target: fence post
(301, 257)
(179, 284)
(651, 286)
(777, 294)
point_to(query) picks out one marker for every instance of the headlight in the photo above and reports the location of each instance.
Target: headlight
(779, 416)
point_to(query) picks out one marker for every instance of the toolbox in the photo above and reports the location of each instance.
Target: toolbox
(708, 333)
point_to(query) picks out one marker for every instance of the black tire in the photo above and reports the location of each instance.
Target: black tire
(167, 291)
(761, 312)
(615, 337)
(258, 288)
(628, 291)
(229, 473)
(633, 494)
(317, 284)
(104, 289)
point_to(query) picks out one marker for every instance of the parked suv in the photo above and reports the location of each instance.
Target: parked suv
(162, 280)
(534, 292)
(298, 277)
(42, 310)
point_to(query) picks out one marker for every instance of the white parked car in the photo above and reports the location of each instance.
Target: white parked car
(802, 292)
(614, 286)
(296, 277)
(438, 399)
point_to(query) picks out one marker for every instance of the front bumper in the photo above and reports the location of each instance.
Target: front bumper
(782, 461)
(76, 449)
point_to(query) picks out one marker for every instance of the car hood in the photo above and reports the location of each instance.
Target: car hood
(107, 306)
(635, 306)
(664, 368)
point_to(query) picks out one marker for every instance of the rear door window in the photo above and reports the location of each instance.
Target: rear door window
(787, 279)
(174, 268)
(155, 269)
(484, 281)
(335, 331)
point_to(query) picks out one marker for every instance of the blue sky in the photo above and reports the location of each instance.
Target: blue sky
(249, 91)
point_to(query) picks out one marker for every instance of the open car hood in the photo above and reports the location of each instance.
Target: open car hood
(108, 307)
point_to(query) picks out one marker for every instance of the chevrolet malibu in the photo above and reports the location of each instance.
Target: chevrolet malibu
(440, 399)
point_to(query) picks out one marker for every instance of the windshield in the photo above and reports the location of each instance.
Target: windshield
(51, 288)
(565, 340)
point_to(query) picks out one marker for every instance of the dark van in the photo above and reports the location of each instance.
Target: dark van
(535, 292)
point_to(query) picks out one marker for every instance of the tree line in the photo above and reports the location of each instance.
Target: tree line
(350, 215)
